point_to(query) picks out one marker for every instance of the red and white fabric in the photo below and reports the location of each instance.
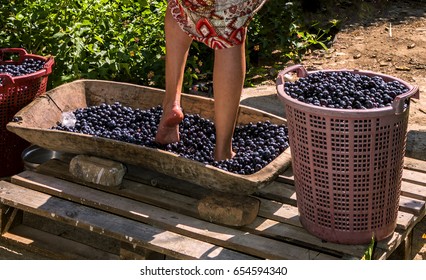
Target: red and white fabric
(217, 23)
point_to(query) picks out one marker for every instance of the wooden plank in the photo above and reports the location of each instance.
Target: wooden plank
(158, 180)
(54, 246)
(114, 226)
(268, 208)
(280, 212)
(414, 190)
(414, 164)
(5, 212)
(411, 205)
(289, 215)
(415, 177)
(287, 176)
(300, 237)
(129, 252)
(130, 189)
(391, 243)
(186, 206)
(403, 252)
(280, 192)
(404, 220)
(14, 219)
(172, 221)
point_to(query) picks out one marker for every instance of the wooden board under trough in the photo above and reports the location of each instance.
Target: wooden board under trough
(36, 119)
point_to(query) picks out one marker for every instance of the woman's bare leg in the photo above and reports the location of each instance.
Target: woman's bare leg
(177, 47)
(228, 81)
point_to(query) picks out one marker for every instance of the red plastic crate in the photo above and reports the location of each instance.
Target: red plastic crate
(16, 93)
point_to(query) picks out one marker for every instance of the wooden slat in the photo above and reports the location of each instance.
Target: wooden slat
(158, 180)
(414, 164)
(301, 237)
(269, 210)
(404, 220)
(117, 227)
(54, 246)
(280, 192)
(273, 215)
(131, 189)
(167, 198)
(411, 205)
(167, 201)
(172, 221)
(387, 247)
(414, 190)
(415, 177)
(279, 212)
(287, 176)
(289, 215)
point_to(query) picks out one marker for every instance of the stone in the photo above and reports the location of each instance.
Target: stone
(97, 170)
(228, 209)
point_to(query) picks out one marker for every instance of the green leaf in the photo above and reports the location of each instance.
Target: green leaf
(368, 255)
(58, 35)
(99, 39)
(19, 17)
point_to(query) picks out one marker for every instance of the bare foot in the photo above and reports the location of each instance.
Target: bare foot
(218, 156)
(168, 129)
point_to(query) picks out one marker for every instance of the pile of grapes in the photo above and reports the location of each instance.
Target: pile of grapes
(344, 90)
(255, 144)
(28, 66)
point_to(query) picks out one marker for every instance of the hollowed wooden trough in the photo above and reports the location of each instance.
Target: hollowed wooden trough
(36, 119)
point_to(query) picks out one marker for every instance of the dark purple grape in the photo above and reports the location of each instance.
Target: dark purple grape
(255, 144)
(28, 66)
(344, 90)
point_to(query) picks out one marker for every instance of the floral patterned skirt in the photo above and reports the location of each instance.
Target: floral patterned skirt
(217, 23)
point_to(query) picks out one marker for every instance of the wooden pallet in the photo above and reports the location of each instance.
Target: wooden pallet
(151, 215)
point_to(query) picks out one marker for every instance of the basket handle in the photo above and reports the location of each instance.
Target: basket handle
(6, 79)
(300, 71)
(20, 51)
(48, 64)
(399, 101)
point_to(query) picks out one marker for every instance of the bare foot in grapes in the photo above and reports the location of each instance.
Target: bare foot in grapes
(168, 129)
(222, 155)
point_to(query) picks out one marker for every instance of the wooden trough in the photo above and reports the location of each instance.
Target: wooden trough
(33, 123)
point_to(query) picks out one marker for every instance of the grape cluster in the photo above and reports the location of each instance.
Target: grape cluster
(344, 90)
(28, 66)
(255, 144)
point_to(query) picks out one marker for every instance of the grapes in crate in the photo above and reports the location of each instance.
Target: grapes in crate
(255, 144)
(344, 90)
(28, 66)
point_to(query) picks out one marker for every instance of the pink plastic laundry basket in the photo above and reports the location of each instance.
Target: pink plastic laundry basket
(347, 164)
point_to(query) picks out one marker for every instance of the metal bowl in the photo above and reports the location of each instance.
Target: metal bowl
(34, 155)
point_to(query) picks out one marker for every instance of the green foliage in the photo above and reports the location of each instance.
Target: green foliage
(119, 40)
(123, 40)
(280, 28)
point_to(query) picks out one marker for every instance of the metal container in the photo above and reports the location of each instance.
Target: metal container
(34, 155)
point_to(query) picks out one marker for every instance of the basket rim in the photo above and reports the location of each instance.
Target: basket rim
(8, 80)
(396, 107)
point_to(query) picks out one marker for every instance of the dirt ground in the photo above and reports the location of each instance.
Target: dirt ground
(387, 37)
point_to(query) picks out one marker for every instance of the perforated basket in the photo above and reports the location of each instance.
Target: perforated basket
(347, 164)
(16, 93)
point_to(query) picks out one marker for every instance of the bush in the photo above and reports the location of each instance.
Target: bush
(123, 40)
(119, 40)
